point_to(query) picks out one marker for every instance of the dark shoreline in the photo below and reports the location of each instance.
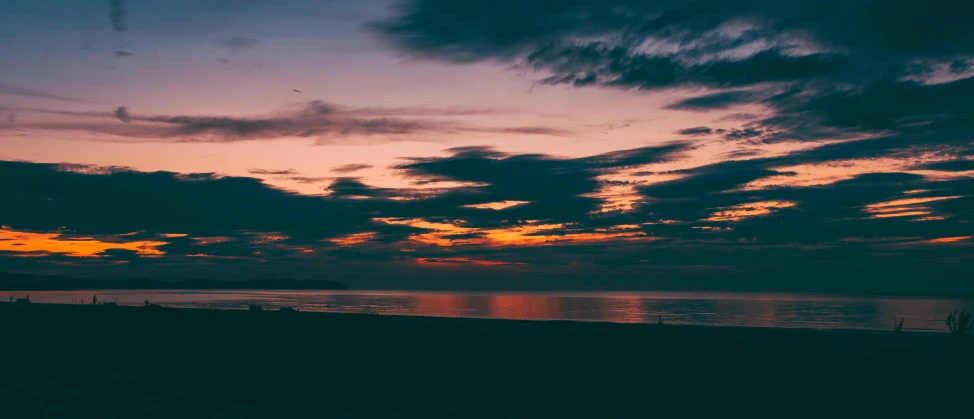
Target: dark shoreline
(104, 361)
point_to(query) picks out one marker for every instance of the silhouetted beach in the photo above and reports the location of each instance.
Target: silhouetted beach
(115, 361)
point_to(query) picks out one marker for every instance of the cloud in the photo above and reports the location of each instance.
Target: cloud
(346, 187)
(743, 134)
(6, 89)
(349, 168)
(288, 174)
(950, 166)
(885, 222)
(285, 172)
(308, 179)
(722, 100)
(314, 119)
(824, 71)
(696, 131)
(111, 201)
(116, 14)
(928, 113)
(597, 63)
(698, 30)
(556, 190)
(122, 113)
(235, 43)
(122, 53)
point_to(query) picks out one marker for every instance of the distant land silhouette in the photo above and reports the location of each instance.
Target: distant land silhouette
(27, 282)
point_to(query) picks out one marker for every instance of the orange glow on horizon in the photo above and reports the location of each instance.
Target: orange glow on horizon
(521, 235)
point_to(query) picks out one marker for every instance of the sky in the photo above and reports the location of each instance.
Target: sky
(435, 144)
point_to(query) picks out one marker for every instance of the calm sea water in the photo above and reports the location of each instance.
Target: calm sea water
(807, 311)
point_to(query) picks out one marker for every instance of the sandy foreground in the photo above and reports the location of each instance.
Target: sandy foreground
(100, 361)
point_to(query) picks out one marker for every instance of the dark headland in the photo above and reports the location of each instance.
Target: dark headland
(108, 361)
(27, 282)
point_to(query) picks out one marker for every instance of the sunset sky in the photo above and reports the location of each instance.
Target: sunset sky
(444, 144)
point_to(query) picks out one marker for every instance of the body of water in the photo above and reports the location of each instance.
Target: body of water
(808, 311)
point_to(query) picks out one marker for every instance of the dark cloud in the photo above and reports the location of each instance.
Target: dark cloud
(959, 66)
(928, 113)
(557, 190)
(111, 201)
(346, 187)
(610, 66)
(349, 168)
(313, 119)
(716, 178)
(860, 30)
(122, 113)
(235, 43)
(122, 53)
(696, 131)
(116, 14)
(835, 70)
(950, 166)
(712, 101)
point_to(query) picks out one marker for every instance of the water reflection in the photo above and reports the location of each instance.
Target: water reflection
(713, 309)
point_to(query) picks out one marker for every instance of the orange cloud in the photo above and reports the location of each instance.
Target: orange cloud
(497, 205)
(212, 239)
(353, 239)
(906, 207)
(947, 240)
(754, 209)
(616, 197)
(26, 242)
(901, 214)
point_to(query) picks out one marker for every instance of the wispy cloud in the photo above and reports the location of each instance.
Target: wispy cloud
(349, 168)
(6, 89)
(322, 121)
(116, 14)
(285, 172)
(235, 43)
